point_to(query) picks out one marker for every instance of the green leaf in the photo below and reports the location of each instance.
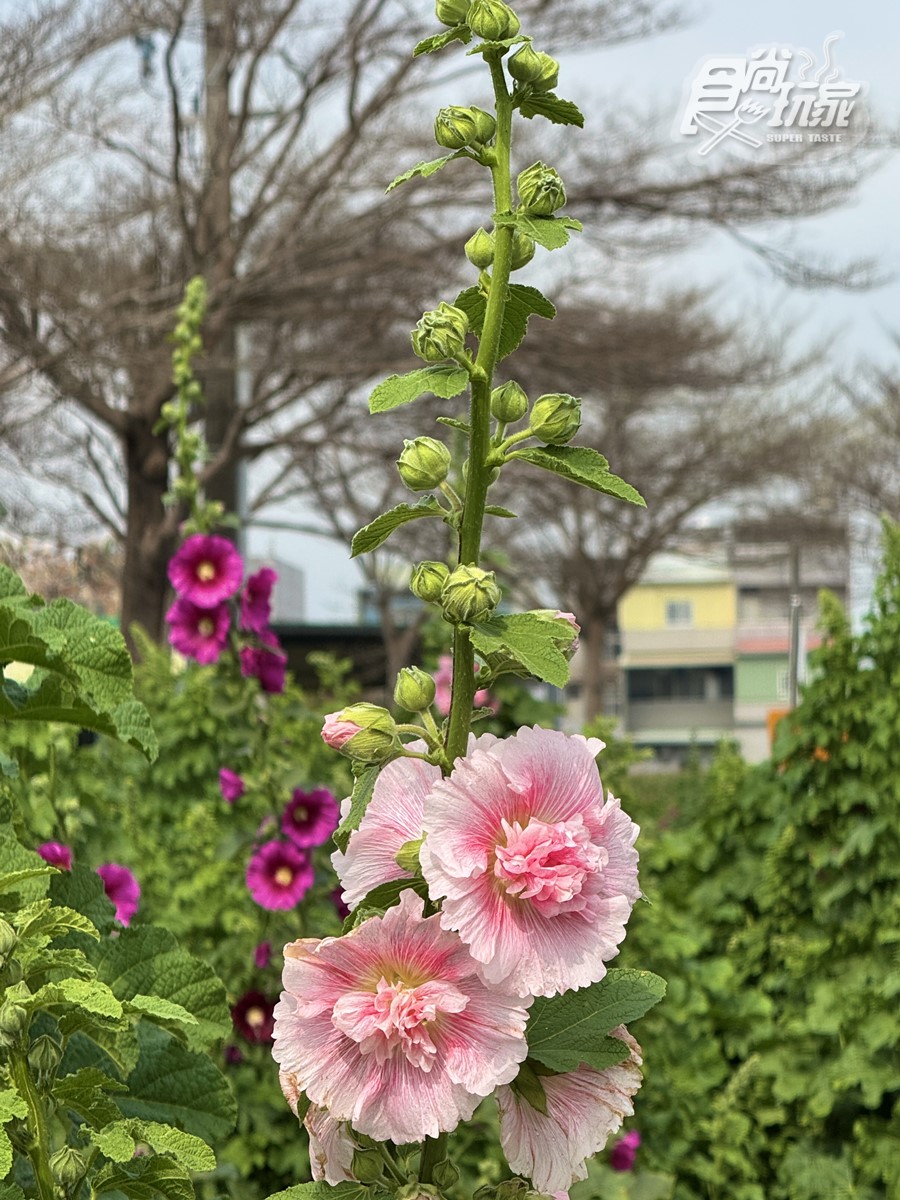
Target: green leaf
(549, 232)
(327, 1191)
(13, 858)
(145, 1178)
(117, 1141)
(522, 302)
(385, 896)
(530, 640)
(494, 510)
(565, 1031)
(46, 920)
(82, 889)
(459, 33)
(581, 464)
(424, 169)
(6, 1154)
(161, 1010)
(371, 536)
(11, 1105)
(454, 423)
(445, 382)
(10, 1191)
(88, 996)
(11, 586)
(364, 778)
(546, 104)
(84, 1093)
(10, 880)
(527, 1084)
(488, 47)
(54, 699)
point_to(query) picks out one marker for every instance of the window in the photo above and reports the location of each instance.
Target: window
(781, 684)
(679, 612)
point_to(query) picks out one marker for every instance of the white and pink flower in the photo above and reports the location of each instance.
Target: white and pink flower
(535, 871)
(391, 1027)
(584, 1108)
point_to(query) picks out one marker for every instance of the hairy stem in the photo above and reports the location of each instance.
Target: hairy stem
(433, 1151)
(39, 1145)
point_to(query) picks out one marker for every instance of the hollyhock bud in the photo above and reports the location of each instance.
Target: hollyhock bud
(492, 20)
(480, 249)
(7, 940)
(441, 333)
(509, 402)
(454, 127)
(44, 1055)
(367, 1166)
(362, 731)
(485, 125)
(67, 1167)
(556, 418)
(522, 251)
(13, 1019)
(470, 595)
(452, 12)
(549, 76)
(423, 463)
(414, 690)
(428, 580)
(541, 190)
(534, 67)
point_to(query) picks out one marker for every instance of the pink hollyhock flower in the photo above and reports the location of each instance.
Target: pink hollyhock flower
(337, 733)
(279, 875)
(584, 1107)
(122, 888)
(56, 854)
(262, 955)
(267, 663)
(252, 1017)
(622, 1155)
(231, 785)
(392, 1028)
(443, 680)
(206, 570)
(256, 600)
(198, 633)
(536, 873)
(310, 817)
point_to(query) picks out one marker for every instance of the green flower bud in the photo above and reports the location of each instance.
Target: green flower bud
(470, 595)
(414, 690)
(423, 463)
(492, 20)
(13, 1020)
(480, 249)
(452, 12)
(363, 731)
(44, 1055)
(455, 127)
(441, 333)
(367, 1166)
(485, 125)
(428, 580)
(556, 418)
(407, 856)
(445, 1174)
(525, 64)
(509, 402)
(549, 76)
(541, 190)
(67, 1167)
(7, 939)
(523, 250)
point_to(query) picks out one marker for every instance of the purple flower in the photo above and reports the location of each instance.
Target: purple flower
(206, 570)
(230, 785)
(256, 606)
(233, 1056)
(268, 663)
(262, 955)
(122, 888)
(279, 875)
(198, 633)
(252, 1017)
(56, 854)
(342, 909)
(310, 818)
(621, 1157)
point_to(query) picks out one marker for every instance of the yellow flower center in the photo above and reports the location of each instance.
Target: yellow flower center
(284, 876)
(205, 572)
(255, 1017)
(206, 626)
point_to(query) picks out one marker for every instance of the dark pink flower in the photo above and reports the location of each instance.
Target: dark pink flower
(267, 663)
(622, 1155)
(256, 600)
(122, 888)
(443, 679)
(310, 818)
(198, 633)
(231, 785)
(206, 570)
(279, 875)
(233, 1056)
(56, 854)
(252, 1017)
(262, 955)
(342, 909)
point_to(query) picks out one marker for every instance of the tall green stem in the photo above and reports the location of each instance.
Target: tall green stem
(478, 478)
(39, 1147)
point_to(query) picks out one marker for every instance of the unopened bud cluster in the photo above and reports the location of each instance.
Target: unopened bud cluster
(555, 418)
(424, 463)
(469, 596)
(535, 68)
(456, 127)
(480, 250)
(541, 190)
(441, 333)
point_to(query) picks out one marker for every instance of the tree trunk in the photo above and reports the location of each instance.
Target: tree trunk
(593, 648)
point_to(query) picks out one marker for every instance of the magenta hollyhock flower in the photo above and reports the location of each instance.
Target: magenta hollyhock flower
(584, 1107)
(231, 785)
(262, 955)
(206, 570)
(340, 907)
(392, 1028)
(279, 875)
(122, 889)
(56, 854)
(622, 1155)
(310, 817)
(535, 872)
(443, 680)
(267, 663)
(256, 600)
(198, 633)
(233, 1056)
(252, 1017)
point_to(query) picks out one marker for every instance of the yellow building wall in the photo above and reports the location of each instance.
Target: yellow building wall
(644, 606)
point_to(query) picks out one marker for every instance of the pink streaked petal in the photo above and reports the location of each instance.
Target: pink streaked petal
(555, 771)
(484, 1048)
(331, 1147)
(618, 834)
(463, 813)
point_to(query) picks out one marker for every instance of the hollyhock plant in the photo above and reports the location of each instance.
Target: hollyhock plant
(267, 663)
(331, 1146)
(122, 889)
(623, 1153)
(56, 854)
(392, 1028)
(279, 875)
(231, 785)
(256, 600)
(206, 569)
(310, 818)
(584, 1107)
(252, 1017)
(262, 955)
(535, 871)
(198, 633)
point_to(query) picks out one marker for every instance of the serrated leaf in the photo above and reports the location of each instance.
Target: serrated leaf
(487, 47)
(549, 232)
(494, 510)
(565, 1031)
(445, 382)
(11, 1105)
(328, 1191)
(11, 1191)
(385, 896)
(423, 169)
(89, 996)
(82, 889)
(159, 1009)
(532, 641)
(371, 536)
(117, 1141)
(546, 104)
(145, 1178)
(41, 961)
(13, 858)
(85, 1093)
(6, 1153)
(459, 33)
(364, 778)
(11, 586)
(44, 919)
(10, 880)
(581, 464)
(454, 423)
(522, 302)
